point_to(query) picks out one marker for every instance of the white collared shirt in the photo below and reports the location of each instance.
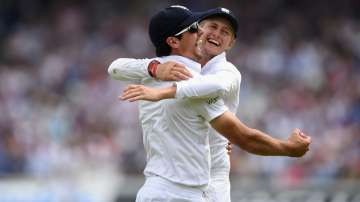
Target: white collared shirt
(175, 132)
(220, 77)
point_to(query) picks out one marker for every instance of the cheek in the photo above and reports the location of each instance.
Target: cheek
(205, 30)
(227, 42)
(190, 42)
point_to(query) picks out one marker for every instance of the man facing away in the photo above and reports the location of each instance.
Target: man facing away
(179, 127)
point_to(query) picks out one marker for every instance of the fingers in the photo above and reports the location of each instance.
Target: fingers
(229, 148)
(132, 93)
(297, 131)
(172, 71)
(306, 140)
(175, 76)
(180, 74)
(301, 134)
(131, 87)
(131, 96)
(305, 137)
(182, 70)
(301, 142)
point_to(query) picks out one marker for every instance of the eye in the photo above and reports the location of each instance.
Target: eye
(213, 26)
(225, 32)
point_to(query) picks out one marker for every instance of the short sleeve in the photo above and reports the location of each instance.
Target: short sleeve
(209, 108)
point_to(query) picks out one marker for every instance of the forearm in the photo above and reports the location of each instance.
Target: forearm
(167, 93)
(251, 140)
(127, 69)
(263, 144)
(205, 86)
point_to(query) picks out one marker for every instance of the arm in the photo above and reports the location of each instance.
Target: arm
(227, 124)
(257, 142)
(127, 69)
(140, 92)
(205, 86)
(254, 141)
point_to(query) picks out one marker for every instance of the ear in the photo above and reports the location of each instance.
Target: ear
(173, 42)
(231, 44)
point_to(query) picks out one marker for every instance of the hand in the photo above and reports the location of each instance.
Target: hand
(172, 71)
(229, 148)
(140, 92)
(299, 143)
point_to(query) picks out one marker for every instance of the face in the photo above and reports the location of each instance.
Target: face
(186, 44)
(216, 36)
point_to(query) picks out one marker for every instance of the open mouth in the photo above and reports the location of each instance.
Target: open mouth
(213, 41)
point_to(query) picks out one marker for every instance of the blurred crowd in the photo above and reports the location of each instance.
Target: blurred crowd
(59, 112)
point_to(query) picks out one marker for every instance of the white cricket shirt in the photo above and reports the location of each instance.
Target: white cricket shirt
(222, 78)
(175, 132)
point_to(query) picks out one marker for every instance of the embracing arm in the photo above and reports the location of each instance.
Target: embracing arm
(257, 142)
(205, 86)
(201, 86)
(227, 124)
(128, 69)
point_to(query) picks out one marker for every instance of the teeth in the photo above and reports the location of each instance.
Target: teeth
(214, 42)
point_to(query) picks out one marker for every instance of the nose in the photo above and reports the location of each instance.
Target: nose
(215, 33)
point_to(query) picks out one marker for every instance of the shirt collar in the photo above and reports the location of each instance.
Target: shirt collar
(219, 58)
(191, 64)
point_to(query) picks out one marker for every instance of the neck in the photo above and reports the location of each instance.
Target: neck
(205, 58)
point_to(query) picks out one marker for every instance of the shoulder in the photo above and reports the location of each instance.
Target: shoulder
(230, 67)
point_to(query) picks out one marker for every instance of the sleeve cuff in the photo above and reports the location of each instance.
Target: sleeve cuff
(216, 114)
(179, 90)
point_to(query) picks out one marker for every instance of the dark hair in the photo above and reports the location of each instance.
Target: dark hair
(164, 49)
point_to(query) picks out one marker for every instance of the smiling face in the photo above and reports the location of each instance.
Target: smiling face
(216, 37)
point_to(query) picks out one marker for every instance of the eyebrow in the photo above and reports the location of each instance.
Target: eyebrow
(216, 23)
(211, 22)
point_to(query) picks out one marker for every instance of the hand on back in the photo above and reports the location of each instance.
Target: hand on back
(172, 71)
(140, 92)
